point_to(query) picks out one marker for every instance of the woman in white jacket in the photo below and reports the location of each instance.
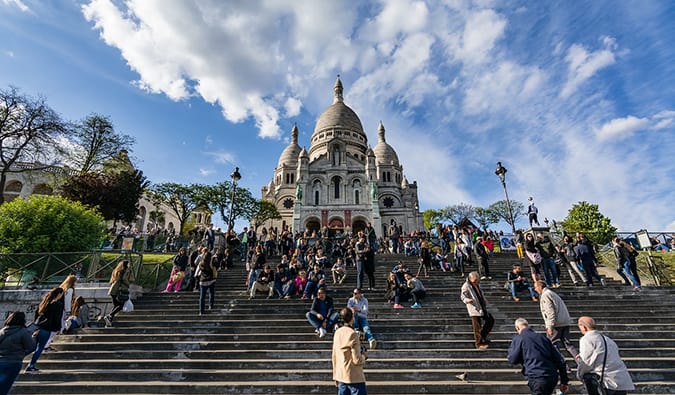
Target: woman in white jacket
(592, 351)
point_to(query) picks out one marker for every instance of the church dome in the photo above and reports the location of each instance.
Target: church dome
(384, 153)
(343, 120)
(289, 156)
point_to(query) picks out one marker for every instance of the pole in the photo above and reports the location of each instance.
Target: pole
(508, 205)
(231, 219)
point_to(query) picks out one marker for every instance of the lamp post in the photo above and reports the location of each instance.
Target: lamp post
(235, 176)
(501, 172)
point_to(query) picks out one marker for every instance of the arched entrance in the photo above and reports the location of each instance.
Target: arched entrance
(313, 224)
(358, 225)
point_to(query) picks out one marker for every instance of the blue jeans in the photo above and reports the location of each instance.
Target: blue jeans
(629, 274)
(352, 389)
(42, 339)
(550, 271)
(317, 323)
(9, 371)
(521, 287)
(211, 289)
(362, 322)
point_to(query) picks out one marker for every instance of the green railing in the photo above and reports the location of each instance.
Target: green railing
(19, 270)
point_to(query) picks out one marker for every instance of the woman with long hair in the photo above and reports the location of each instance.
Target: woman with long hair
(49, 316)
(79, 317)
(207, 273)
(120, 279)
(15, 343)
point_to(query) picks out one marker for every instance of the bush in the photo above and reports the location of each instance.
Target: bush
(48, 224)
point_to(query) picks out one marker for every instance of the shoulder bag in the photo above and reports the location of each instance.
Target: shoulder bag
(594, 383)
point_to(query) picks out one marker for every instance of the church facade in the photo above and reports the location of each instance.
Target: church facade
(342, 183)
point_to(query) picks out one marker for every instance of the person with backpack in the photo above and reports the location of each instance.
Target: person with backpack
(207, 275)
(49, 315)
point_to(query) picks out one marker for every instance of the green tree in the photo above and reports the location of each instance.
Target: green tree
(485, 217)
(29, 130)
(587, 218)
(431, 217)
(181, 199)
(263, 212)
(459, 212)
(115, 195)
(98, 142)
(501, 209)
(48, 224)
(218, 198)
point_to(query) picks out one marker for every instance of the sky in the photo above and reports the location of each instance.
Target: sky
(576, 99)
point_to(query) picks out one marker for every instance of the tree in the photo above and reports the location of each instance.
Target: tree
(501, 209)
(263, 212)
(182, 199)
(485, 217)
(48, 224)
(29, 130)
(99, 142)
(115, 195)
(459, 212)
(431, 217)
(218, 198)
(585, 217)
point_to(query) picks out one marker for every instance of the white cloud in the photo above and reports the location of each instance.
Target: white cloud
(584, 64)
(9, 54)
(292, 107)
(620, 128)
(17, 3)
(205, 172)
(222, 157)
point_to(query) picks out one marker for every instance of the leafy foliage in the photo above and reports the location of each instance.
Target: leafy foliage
(501, 209)
(431, 217)
(98, 141)
(115, 194)
(587, 218)
(48, 224)
(264, 211)
(458, 212)
(29, 129)
(182, 199)
(218, 198)
(485, 217)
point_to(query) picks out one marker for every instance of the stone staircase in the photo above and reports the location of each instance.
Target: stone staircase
(265, 346)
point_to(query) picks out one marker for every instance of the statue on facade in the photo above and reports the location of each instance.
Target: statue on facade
(373, 190)
(298, 192)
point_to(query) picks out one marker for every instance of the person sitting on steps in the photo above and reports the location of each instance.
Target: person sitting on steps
(322, 316)
(517, 282)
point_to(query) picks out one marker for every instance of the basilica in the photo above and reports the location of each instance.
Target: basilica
(342, 183)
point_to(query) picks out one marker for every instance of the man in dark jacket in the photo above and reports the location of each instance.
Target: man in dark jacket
(541, 360)
(548, 252)
(322, 316)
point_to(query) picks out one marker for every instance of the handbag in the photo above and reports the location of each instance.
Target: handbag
(594, 384)
(128, 306)
(178, 276)
(122, 295)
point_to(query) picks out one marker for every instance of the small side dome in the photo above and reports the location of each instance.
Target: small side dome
(289, 156)
(384, 152)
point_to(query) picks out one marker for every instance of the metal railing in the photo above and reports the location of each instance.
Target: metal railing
(33, 269)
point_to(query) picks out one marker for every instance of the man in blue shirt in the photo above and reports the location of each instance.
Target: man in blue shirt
(541, 360)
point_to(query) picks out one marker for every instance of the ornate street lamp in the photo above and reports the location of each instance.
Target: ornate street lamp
(235, 176)
(501, 172)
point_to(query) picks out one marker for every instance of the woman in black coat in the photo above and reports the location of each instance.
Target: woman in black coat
(50, 313)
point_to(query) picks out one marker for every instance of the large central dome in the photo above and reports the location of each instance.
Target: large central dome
(338, 120)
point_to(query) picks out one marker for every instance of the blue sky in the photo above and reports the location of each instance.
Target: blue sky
(576, 99)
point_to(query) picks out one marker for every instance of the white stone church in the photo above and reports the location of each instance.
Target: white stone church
(342, 183)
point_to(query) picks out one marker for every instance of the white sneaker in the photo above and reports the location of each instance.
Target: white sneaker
(372, 343)
(322, 333)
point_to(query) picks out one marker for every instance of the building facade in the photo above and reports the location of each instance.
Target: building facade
(342, 183)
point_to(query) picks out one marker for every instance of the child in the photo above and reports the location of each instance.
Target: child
(339, 271)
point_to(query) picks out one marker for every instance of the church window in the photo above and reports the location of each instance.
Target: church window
(388, 202)
(336, 187)
(356, 197)
(292, 178)
(316, 198)
(288, 203)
